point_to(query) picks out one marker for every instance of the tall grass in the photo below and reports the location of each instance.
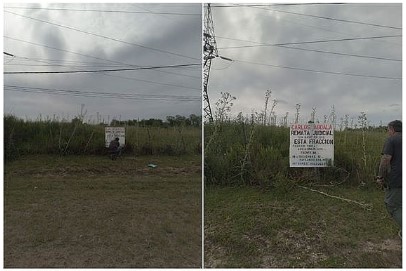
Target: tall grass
(247, 151)
(55, 137)
(357, 154)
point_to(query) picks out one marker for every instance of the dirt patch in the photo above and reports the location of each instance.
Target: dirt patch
(65, 171)
(290, 247)
(214, 256)
(389, 250)
(176, 170)
(388, 245)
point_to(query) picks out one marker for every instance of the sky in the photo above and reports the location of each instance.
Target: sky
(288, 49)
(160, 43)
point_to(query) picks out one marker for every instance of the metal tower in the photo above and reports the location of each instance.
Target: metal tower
(209, 52)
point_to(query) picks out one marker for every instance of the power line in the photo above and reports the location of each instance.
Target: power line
(49, 63)
(324, 29)
(94, 94)
(152, 82)
(108, 70)
(319, 71)
(341, 54)
(62, 65)
(307, 15)
(128, 78)
(336, 19)
(101, 36)
(269, 5)
(61, 62)
(106, 74)
(109, 11)
(313, 50)
(340, 20)
(314, 41)
(297, 4)
(94, 57)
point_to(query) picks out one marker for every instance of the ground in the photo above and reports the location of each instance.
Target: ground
(91, 212)
(253, 228)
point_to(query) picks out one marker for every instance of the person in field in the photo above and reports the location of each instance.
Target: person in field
(391, 167)
(114, 148)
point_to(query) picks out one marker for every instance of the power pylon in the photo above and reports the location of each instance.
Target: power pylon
(209, 52)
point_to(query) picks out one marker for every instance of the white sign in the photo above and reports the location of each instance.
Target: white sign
(112, 133)
(311, 145)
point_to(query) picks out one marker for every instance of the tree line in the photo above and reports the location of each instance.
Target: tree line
(170, 121)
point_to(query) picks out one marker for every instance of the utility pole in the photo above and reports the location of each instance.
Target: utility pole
(209, 52)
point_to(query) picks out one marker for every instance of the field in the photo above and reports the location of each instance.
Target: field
(253, 228)
(260, 213)
(88, 211)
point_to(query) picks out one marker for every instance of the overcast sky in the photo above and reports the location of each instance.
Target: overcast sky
(359, 75)
(96, 37)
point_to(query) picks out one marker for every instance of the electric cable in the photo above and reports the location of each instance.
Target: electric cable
(311, 42)
(108, 11)
(319, 71)
(307, 15)
(102, 36)
(108, 70)
(95, 94)
(94, 57)
(314, 50)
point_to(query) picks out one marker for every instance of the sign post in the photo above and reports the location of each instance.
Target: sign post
(311, 145)
(113, 132)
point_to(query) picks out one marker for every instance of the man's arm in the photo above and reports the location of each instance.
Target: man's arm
(383, 168)
(384, 165)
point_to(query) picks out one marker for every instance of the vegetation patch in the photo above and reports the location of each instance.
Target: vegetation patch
(254, 228)
(178, 136)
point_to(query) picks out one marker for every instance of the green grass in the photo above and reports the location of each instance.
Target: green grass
(89, 211)
(252, 228)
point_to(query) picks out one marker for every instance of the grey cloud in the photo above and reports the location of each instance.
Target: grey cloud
(181, 35)
(348, 94)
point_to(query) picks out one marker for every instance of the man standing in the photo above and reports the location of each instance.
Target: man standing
(114, 148)
(391, 166)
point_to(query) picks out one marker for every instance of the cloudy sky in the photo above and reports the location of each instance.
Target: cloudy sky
(160, 43)
(289, 49)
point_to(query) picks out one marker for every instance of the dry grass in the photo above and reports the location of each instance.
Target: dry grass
(91, 212)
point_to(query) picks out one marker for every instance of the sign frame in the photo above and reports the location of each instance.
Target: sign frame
(113, 132)
(311, 145)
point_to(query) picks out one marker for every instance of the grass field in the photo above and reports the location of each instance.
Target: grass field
(89, 211)
(252, 228)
